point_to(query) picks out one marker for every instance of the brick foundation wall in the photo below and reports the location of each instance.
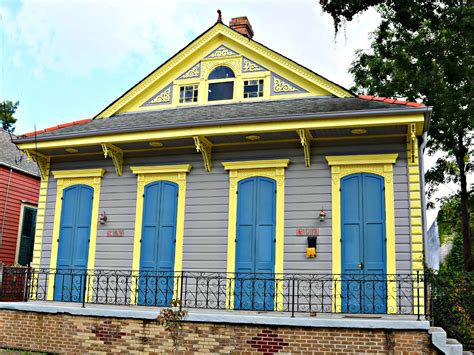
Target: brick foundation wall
(58, 333)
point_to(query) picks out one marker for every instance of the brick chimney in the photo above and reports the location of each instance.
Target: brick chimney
(242, 25)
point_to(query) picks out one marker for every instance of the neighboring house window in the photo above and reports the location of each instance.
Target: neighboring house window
(253, 88)
(188, 93)
(27, 235)
(221, 84)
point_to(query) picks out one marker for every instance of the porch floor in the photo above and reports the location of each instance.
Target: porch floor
(331, 320)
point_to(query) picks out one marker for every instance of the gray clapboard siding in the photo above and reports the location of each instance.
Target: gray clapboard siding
(307, 190)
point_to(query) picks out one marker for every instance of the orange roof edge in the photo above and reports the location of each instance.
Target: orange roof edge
(54, 128)
(390, 100)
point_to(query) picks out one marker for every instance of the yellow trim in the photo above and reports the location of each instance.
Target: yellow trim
(379, 164)
(145, 176)
(416, 229)
(65, 179)
(276, 141)
(244, 128)
(362, 159)
(40, 214)
(161, 169)
(255, 164)
(83, 173)
(273, 169)
(369, 136)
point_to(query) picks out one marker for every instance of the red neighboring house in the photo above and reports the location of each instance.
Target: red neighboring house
(19, 190)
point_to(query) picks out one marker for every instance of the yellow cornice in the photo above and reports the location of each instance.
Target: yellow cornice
(161, 169)
(362, 159)
(243, 128)
(82, 173)
(256, 164)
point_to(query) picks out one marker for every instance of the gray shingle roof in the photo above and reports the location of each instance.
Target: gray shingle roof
(275, 110)
(13, 158)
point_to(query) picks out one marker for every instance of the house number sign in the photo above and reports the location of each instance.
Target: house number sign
(307, 231)
(115, 233)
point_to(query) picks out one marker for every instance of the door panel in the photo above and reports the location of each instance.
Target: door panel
(157, 250)
(73, 246)
(363, 244)
(255, 244)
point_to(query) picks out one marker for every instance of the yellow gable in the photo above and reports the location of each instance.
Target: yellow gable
(209, 64)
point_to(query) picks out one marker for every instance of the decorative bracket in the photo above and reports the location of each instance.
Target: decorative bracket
(116, 154)
(204, 146)
(412, 142)
(305, 138)
(41, 160)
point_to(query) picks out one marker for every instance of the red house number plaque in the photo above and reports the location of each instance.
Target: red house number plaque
(115, 233)
(307, 231)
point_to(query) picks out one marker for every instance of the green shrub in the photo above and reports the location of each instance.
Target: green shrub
(452, 304)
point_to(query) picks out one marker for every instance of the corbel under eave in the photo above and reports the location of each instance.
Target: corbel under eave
(116, 154)
(204, 146)
(411, 140)
(41, 160)
(305, 138)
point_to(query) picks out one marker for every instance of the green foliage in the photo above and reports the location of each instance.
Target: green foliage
(452, 304)
(7, 110)
(449, 224)
(454, 260)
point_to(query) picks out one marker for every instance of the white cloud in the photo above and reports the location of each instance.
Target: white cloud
(82, 37)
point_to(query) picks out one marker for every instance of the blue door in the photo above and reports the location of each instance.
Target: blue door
(363, 244)
(157, 250)
(255, 244)
(73, 247)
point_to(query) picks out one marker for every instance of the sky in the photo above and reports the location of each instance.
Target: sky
(67, 60)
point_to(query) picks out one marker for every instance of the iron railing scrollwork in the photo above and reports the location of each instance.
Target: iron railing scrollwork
(292, 293)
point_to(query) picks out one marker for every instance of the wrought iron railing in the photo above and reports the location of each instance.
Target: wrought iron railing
(293, 293)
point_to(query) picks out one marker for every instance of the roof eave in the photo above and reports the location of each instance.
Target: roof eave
(36, 175)
(426, 110)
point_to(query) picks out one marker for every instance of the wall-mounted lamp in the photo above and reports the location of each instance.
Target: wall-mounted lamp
(102, 218)
(322, 215)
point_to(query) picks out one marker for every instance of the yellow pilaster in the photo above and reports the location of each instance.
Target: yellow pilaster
(416, 226)
(39, 228)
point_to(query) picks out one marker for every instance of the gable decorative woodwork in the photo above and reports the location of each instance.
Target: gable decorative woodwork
(251, 66)
(221, 51)
(193, 72)
(162, 97)
(204, 146)
(116, 154)
(41, 160)
(280, 85)
(233, 63)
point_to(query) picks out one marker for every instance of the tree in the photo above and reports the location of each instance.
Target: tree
(7, 110)
(422, 50)
(450, 230)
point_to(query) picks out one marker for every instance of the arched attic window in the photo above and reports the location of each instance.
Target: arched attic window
(221, 84)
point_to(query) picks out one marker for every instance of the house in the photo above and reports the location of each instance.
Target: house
(19, 190)
(231, 177)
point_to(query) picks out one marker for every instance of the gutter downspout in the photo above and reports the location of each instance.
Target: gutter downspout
(5, 205)
(423, 195)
